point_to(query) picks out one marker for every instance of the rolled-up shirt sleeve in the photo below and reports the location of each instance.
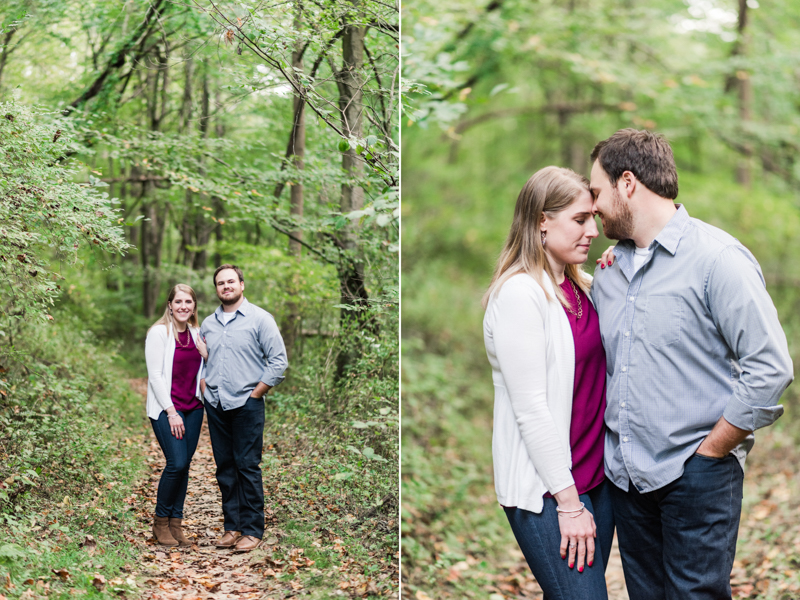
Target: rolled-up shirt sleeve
(747, 319)
(271, 342)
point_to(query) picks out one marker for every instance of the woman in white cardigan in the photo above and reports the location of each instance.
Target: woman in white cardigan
(175, 355)
(548, 365)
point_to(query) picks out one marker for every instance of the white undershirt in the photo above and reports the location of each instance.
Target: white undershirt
(227, 316)
(639, 257)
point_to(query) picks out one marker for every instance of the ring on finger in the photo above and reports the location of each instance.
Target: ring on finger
(573, 545)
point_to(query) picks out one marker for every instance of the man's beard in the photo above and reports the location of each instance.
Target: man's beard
(620, 225)
(230, 301)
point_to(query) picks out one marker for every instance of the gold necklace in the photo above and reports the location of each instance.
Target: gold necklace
(188, 341)
(578, 314)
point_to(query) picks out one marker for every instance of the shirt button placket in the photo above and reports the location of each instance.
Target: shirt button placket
(630, 309)
(626, 354)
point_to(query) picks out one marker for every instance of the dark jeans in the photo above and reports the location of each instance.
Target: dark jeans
(237, 438)
(175, 477)
(678, 542)
(539, 538)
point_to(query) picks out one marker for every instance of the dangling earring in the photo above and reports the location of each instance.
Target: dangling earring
(544, 238)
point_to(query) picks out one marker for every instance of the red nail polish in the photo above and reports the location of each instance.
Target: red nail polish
(602, 266)
(580, 569)
(590, 564)
(571, 565)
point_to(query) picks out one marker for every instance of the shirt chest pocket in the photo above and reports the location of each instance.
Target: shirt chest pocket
(242, 341)
(663, 320)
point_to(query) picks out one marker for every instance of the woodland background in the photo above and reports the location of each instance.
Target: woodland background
(499, 89)
(142, 143)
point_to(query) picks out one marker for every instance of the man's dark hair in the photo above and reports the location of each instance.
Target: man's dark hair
(645, 154)
(223, 267)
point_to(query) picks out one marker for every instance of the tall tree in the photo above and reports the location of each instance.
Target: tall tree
(351, 105)
(298, 136)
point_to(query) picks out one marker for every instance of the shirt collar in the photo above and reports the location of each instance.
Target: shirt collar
(243, 309)
(670, 236)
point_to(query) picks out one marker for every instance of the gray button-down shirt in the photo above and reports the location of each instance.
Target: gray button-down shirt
(691, 336)
(248, 349)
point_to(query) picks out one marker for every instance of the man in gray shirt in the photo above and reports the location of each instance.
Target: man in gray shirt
(246, 358)
(696, 361)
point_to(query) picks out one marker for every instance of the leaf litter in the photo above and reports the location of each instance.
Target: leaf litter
(767, 564)
(275, 571)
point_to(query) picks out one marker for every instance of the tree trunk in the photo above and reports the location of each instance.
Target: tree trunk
(741, 80)
(152, 244)
(5, 51)
(298, 142)
(186, 103)
(186, 255)
(351, 270)
(202, 231)
(151, 98)
(148, 278)
(744, 170)
(200, 259)
(125, 189)
(297, 146)
(163, 67)
(152, 233)
(216, 202)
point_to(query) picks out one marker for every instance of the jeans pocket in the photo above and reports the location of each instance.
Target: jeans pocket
(663, 320)
(712, 458)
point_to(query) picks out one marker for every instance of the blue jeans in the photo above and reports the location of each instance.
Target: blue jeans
(539, 538)
(678, 542)
(237, 438)
(179, 453)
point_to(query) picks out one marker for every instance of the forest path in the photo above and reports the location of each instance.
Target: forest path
(275, 571)
(202, 571)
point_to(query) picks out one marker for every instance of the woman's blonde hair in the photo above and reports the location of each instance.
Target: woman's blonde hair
(547, 192)
(167, 318)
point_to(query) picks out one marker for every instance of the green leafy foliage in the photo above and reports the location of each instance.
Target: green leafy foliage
(44, 214)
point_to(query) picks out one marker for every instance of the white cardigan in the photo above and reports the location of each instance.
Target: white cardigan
(159, 351)
(532, 353)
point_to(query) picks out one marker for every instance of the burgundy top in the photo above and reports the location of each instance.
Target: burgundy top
(587, 429)
(185, 366)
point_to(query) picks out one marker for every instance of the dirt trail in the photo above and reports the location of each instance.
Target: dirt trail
(203, 571)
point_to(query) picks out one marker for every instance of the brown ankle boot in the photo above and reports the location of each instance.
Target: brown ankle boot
(162, 533)
(175, 526)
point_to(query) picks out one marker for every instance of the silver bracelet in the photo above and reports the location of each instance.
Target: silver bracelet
(577, 510)
(575, 516)
(175, 415)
